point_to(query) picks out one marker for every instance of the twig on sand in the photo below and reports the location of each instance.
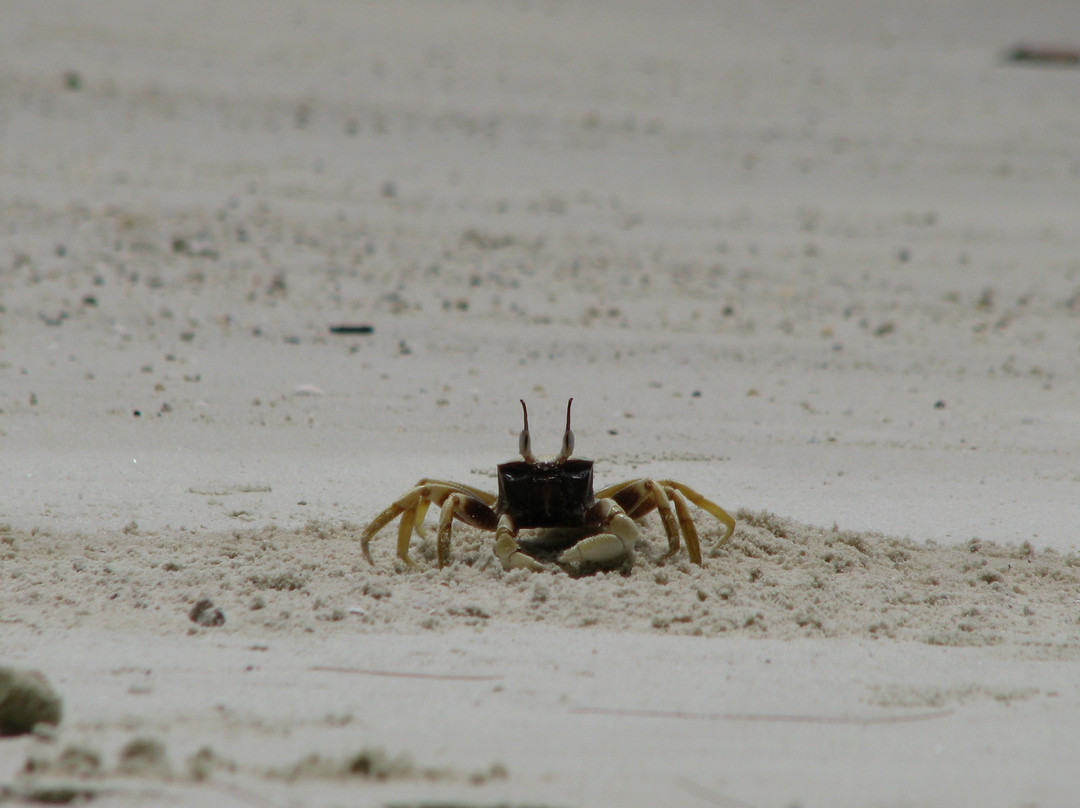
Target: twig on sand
(777, 718)
(447, 677)
(709, 795)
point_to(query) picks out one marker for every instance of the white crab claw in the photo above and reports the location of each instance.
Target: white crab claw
(600, 548)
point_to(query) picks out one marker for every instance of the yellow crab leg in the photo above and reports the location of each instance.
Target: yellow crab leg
(405, 528)
(686, 522)
(381, 521)
(607, 493)
(483, 496)
(418, 520)
(446, 520)
(705, 505)
(663, 507)
(422, 506)
(649, 495)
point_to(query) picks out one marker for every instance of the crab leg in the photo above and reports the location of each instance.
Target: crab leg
(420, 513)
(378, 523)
(413, 505)
(705, 505)
(446, 519)
(663, 507)
(466, 509)
(405, 528)
(405, 507)
(639, 497)
(461, 488)
(686, 523)
(422, 506)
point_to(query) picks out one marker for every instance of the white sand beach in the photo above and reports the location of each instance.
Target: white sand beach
(819, 262)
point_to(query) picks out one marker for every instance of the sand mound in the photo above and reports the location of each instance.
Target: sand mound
(775, 578)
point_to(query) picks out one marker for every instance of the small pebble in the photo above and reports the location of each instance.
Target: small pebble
(204, 614)
(26, 699)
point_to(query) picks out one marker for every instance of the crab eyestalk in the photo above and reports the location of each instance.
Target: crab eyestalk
(567, 439)
(524, 443)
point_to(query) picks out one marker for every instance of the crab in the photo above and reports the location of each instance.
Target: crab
(555, 496)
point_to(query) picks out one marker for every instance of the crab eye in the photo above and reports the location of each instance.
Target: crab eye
(524, 443)
(567, 438)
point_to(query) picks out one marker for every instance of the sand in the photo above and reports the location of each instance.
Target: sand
(818, 263)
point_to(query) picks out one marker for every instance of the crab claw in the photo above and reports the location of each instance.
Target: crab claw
(619, 540)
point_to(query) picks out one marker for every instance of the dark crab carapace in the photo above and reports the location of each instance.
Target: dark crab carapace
(551, 494)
